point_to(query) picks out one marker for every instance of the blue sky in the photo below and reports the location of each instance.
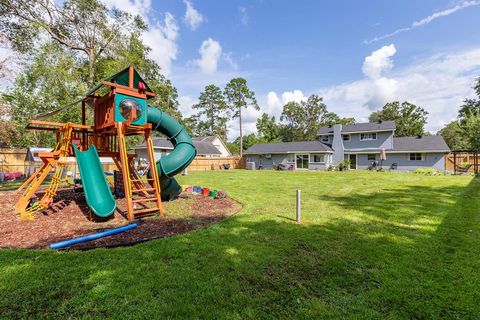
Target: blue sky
(356, 54)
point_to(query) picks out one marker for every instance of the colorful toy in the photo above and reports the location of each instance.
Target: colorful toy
(205, 191)
(122, 111)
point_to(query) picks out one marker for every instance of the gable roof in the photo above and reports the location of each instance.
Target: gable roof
(122, 78)
(287, 147)
(203, 148)
(32, 153)
(360, 127)
(425, 143)
(206, 138)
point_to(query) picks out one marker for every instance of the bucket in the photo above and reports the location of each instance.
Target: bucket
(220, 194)
(205, 192)
(197, 189)
(212, 194)
(189, 189)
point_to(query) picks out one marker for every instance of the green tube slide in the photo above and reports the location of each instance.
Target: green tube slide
(176, 161)
(97, 191)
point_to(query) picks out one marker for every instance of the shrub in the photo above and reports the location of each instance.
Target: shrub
(427, 171)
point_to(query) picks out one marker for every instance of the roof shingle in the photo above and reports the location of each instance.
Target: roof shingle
(425, 143)
(360, 127)
(284, 147)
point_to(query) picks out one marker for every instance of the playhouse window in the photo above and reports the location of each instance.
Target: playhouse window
(130, 109)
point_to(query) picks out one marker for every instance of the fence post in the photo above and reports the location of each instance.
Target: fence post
(298, 206)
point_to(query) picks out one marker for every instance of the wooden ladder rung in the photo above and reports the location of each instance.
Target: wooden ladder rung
(144, 199)
(144, 189)
(145, 211)
(141, 180)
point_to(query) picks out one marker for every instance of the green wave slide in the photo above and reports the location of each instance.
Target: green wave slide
(95, 185)
(97, 191)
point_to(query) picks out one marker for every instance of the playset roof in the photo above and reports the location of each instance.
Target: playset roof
(122, 79)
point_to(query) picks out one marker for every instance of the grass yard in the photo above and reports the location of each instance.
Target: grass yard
(371, 246)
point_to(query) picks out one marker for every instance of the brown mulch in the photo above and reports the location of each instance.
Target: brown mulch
(69, 217)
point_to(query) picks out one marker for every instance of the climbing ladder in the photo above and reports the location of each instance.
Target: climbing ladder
(137, 193)
(58, 159)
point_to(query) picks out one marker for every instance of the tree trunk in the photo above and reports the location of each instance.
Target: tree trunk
(241, 134)
(91, 69)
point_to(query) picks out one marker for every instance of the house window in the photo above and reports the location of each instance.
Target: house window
(317, 158)
(346, 137)
(416, 156)
(290, 157)
(371, 157)
(368, 136)
(325, 139)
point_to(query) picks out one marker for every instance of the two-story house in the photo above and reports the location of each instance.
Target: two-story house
(361, 143)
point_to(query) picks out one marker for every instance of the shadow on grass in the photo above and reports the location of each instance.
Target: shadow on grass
(402, 258)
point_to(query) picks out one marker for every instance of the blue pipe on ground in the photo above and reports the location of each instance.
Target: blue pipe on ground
(90, 237)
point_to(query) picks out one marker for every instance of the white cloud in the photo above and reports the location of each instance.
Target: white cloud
(439, 84)
(210, 52)
(192, 17)
(162, 39)
(244, 18)
(134, 7)
(427, 20)
(185, 105)
(228, 58)
(293, 96)
(379, 61)
(272, 100)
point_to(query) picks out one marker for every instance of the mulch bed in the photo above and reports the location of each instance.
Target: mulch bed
(69, 217)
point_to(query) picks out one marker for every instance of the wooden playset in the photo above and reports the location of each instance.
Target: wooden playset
(121, 112)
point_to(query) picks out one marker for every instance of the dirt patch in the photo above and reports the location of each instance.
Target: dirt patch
(69, 217)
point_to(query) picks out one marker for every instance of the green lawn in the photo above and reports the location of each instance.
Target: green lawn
(371, 246)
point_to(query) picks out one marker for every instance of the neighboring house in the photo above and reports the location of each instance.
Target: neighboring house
(32, 160)
(162, 147)
(217, 142)
(362, 144)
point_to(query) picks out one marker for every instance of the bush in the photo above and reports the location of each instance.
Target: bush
(427, 171)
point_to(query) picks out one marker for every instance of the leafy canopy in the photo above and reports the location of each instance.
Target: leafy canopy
(213, 113)
(267, 128)
(410, 119)
(303, 119)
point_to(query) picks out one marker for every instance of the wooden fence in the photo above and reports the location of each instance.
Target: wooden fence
(12, 160)
(463, 160)
(216, 163)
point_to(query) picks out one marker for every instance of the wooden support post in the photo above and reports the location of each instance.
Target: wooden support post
(125, 170)
(454, 162)
(130, 76)
(84, 122)
(153, 170)
(298, 206)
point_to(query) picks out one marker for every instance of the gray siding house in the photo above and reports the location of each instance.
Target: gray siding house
(361, 143)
